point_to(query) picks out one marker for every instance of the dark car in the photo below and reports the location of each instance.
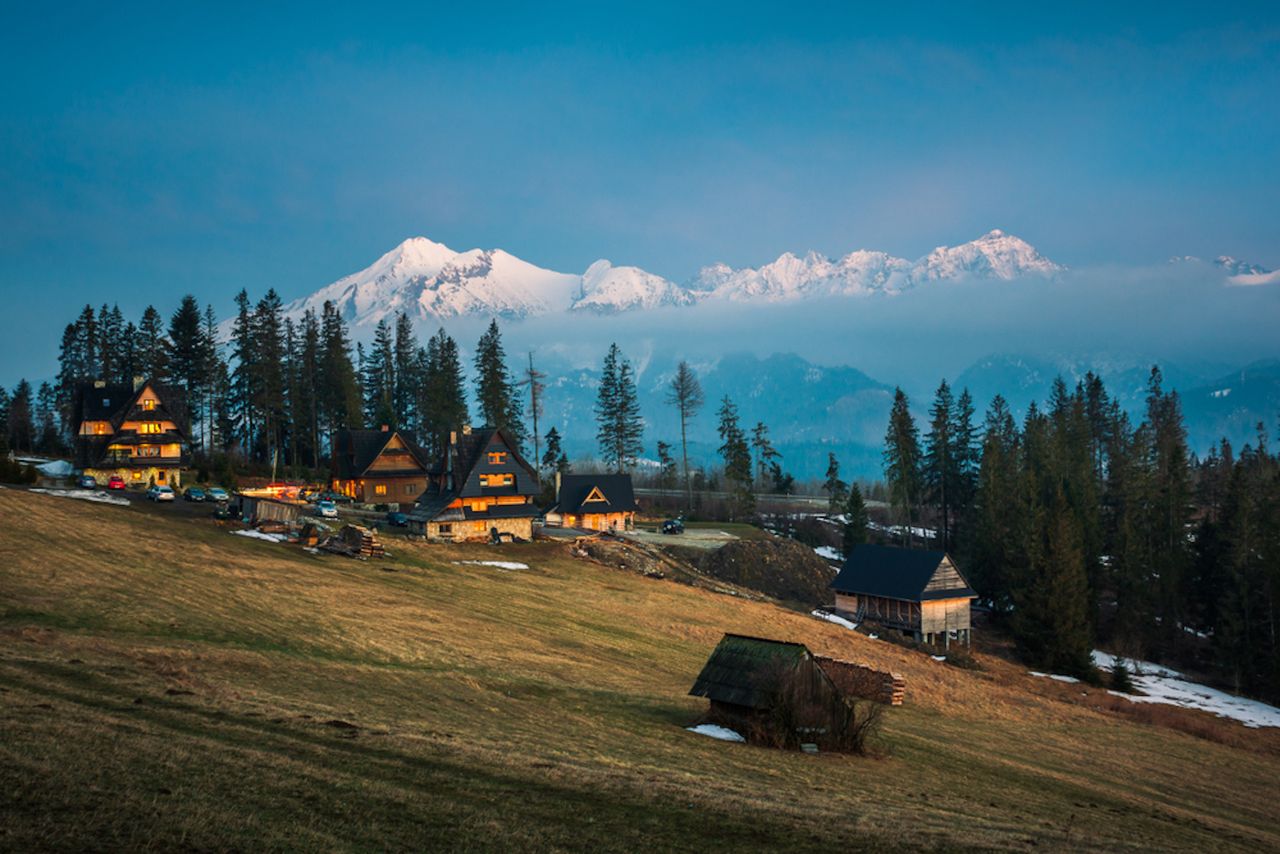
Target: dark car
(194, 493)
(87, 481)
(673, 526)
(221, 510)
(399, 520)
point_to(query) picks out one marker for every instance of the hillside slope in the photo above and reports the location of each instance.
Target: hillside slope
(164, 684)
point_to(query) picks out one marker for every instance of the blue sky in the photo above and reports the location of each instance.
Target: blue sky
(150, 151)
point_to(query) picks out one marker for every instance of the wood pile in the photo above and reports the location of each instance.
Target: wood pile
(354, 541)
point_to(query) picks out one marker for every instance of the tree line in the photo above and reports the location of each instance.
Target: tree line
(1078, 526)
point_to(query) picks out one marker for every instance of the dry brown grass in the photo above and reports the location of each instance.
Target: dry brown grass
(536, 709)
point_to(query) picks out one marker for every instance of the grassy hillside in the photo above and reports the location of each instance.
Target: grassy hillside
(165, 684)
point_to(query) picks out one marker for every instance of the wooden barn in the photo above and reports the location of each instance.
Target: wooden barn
(780, 692)
(136, 432)
(481, 489)
(920, 593)
(377, 466)
(594, 502)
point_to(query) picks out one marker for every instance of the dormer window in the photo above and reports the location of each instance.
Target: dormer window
(148, 404)
(497, 479)
(497, 458)
(149, 427)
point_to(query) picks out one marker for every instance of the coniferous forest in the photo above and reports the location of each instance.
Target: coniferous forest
(1076, 523)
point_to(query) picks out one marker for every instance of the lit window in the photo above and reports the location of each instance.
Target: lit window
(380, 489)
(148, 404)
(148, 450)
(497, 479)
(149, 427)
(137, 475)
(497, 458)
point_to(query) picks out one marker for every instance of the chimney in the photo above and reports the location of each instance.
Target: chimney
(466, 429)
(557, 484)
(138, 380)
(386, 428)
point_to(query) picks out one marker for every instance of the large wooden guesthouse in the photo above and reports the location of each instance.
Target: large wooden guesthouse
(481, 489)
(377, 467)
(136, 432)
(920, 593)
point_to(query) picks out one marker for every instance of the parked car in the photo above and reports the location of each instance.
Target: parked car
(221, 510)
(115, 482)
(327, 509)
(216, 493)
(194, 493)
(397, 519)
(673, 526)
(86, 481)
(161, 493)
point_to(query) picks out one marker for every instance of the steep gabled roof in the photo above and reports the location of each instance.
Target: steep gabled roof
(472, 460)
(355, 450)
(896, 573)
(741, 667)
(595, 493)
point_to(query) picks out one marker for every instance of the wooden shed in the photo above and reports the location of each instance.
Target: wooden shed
(920, 593)
(781, 692)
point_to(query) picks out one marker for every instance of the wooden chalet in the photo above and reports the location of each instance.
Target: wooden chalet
(920, 593)
(747, 678)
(377, 466)
(137, 432)
(594, 502)
(481, 489)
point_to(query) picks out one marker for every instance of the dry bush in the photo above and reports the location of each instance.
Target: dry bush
(806, 709)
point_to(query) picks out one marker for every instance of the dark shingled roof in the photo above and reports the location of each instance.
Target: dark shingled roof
(896, 573)
(355, 450)
(740, 665)
(576, 488)
(118, 404)
(470, 460)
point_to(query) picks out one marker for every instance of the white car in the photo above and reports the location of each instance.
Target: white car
(161, 493)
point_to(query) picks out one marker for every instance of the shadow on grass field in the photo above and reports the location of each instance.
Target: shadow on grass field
(164, 684)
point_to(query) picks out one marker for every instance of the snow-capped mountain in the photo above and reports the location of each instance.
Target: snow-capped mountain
(607, 289)
(429, 281)
(1239, 273)
(995, 255)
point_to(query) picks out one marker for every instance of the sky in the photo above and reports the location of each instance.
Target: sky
(147, 151)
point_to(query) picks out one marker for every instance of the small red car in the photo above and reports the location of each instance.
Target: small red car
(116, 482)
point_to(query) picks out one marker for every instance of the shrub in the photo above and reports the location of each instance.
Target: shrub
(1121, 679)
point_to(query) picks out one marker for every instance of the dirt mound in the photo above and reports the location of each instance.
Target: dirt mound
(783, 569)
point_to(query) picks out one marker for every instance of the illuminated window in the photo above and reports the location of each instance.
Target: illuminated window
(137, 475)
(380, 489)
(149, 427)
(148, 404)
(497, 479)
(148, 451)
(497, 458)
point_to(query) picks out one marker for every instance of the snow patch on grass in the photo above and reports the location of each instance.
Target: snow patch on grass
(259, 535)
(834, 618)
(1164, 685)
(1053, 676)
(722, 733)
(828, 553)
(86, 495)
(498, 564)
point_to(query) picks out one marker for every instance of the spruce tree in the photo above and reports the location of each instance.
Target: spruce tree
(902, 460)
(377, 376)
(533, 379)
(495, 392)
(837, 490)
(736, 455)
(186, 352)
(941, 467)
(444, 398)
(406, 377)
(150, 349)
(667, 472)
(553, 458)
(22, 431)
(997, 549)
(856, 520)
(339, 396)
(765, 453)
(617, 411)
